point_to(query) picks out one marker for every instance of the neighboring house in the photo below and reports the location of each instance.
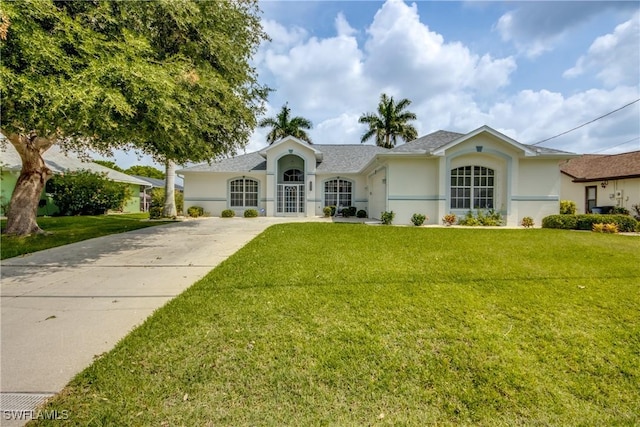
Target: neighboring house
(145, 192)
(602, 181)
(434, 175)
(60, 162)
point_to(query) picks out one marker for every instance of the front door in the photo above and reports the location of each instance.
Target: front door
(290, 198)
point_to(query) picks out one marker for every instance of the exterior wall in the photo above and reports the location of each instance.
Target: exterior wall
(211, 191)
(538, 191)
(607, 196)
(377, 186)
(413, 188)
(132, 205)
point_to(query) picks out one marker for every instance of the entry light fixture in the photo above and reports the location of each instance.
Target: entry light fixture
(604, 184)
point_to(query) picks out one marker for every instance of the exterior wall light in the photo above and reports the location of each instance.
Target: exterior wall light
(604, 184)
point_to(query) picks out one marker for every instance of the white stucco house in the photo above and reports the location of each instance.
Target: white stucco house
(601, 181)
(440, 173)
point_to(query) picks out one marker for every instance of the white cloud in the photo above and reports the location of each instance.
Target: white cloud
(342, 26)
(615, 57)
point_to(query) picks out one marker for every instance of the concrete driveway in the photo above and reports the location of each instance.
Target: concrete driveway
(62, 307)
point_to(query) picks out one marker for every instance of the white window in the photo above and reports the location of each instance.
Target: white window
(243, 192)
(338, 192)
(293, 175)
(472, 187)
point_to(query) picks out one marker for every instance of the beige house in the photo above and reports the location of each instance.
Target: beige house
(599, 182)
(440, 173)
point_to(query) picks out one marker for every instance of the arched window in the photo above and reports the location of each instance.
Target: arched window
(338, 192)
(293, 175)
(472, 187)
(243, 192)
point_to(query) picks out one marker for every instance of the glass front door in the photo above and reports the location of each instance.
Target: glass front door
(290, 198)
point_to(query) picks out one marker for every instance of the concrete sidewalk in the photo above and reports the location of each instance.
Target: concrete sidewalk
(62, 307)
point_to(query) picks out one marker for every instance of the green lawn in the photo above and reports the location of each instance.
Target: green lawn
(348, 324)
(69, 229)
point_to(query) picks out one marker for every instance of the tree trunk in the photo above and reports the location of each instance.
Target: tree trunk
(169, 209)
(23, 207)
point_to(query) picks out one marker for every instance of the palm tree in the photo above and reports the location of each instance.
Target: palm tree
(284, 125)
(389, 123)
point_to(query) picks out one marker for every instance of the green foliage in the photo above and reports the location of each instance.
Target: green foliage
(346, 212)
(636, 209)
(527, 222)
(625, 223)
(567, 207)
(157, 201)
(70, 229)
(352, 210)
(619, 210)
(109, 164)
(87, 193)
(251, 213)
(389, 123)
(144, 170)
(449, 219)
(228, 213)
(482, 218)
(361, 213)
(561, 221)
(387, 217)
(284, 125)
(195, 211)
(327, 211)
(155, 212)
(333, 210)
(418, 219)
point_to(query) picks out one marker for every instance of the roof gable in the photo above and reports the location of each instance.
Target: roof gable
(596, 167)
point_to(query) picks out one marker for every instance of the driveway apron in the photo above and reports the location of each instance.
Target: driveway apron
(62, 307)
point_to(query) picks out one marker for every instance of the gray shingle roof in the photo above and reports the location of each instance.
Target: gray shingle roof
(157, 183)
(58, 162)
(335, 159)
(427, 143)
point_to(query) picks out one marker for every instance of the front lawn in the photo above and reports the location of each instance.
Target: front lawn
(348, 324)
(63, 230)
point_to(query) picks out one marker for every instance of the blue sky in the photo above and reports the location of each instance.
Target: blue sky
(528, 69)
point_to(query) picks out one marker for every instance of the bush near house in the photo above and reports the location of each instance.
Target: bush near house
(195, 211)
(387, 217)
(567, 207)
(527, 222)
(482, 218)
(625, 223)
(84, 192)
(327, 211)
(157, 201)
(250, 213)
(228, 213)
(605, 228)
(361, 213)
(449, 219)
(418, 219)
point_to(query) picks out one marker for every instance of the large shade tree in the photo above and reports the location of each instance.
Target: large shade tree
(389, 123)
(171, 79)
(284, 125)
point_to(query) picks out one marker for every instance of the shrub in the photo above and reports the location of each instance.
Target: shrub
(326, 211)
(345, 212)
(195, 211)
(387, 217)
(333, 210)
(604, 228)
(636, 208)
(251, 213)
(155, 212)
(449, 219)
(361, 213)
(157, 200)
(482, 218)
(418, 219)
(352, 210)
(567, 207)
(228, 213)
(84, 192)
(619, 210)
(625, 223)
(527, 222)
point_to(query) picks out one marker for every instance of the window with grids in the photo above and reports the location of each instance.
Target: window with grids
(338, 192)
(243, 192)
(472, 187)
(293, 175)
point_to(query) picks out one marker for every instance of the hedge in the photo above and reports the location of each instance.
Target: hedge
(625, 223)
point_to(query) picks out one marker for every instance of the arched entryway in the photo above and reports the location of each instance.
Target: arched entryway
(290, 194)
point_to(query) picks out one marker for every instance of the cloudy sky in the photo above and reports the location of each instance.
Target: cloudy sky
(528, 69)
(531, 70)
